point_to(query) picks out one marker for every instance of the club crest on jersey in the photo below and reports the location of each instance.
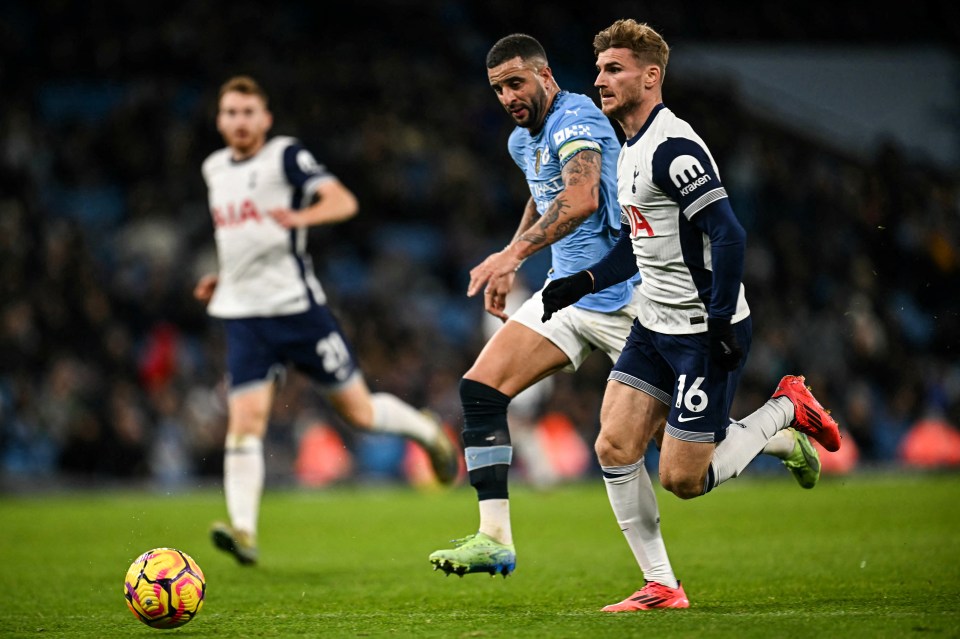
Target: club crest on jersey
(687, 174)
(542, 157)
(637, 221)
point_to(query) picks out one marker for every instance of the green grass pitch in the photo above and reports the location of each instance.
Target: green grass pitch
(860, 556)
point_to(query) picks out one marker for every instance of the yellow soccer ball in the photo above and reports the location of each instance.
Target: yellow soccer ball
(164, 588)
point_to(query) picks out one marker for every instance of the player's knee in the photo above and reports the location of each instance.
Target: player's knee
(683, 486)
(612, 451)
(484, 414)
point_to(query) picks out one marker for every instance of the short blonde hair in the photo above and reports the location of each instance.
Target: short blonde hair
(647, 45)
(243, 84)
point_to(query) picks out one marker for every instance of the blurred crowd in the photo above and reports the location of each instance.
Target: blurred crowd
(110, 369)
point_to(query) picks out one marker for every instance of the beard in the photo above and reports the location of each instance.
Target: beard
(627, 103)
(536, 111)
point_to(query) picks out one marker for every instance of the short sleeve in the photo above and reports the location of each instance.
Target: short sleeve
(572, 133)
(301, 168)
(683, 170)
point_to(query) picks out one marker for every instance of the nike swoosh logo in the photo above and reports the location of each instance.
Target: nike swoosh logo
(681, 418)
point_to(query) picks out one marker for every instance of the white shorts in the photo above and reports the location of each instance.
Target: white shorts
(578, 332)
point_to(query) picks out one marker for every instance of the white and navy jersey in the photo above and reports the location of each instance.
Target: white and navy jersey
(265, 270)
(665, 177)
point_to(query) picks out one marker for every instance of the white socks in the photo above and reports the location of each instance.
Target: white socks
(635, 506)
(392, 415)
(495, 520)
(780, 445)
(243, 473)
(747, 438)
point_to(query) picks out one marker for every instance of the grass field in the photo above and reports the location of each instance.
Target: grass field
(865, 556)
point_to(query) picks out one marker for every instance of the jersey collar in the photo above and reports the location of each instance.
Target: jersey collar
(646, 125)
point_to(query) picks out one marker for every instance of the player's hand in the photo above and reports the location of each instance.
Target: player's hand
(495, 296)
(203, 291)
(287, 218)
(499, 264)
(564, 291)
(725, 350)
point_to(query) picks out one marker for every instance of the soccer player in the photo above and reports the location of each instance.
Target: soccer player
(261, 193)
(567, 150)
(692, 334)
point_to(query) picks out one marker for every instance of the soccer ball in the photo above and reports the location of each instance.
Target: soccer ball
(164, 588)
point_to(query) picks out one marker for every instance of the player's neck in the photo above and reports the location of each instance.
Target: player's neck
(552, 94)
(633, 121)
(238, 154)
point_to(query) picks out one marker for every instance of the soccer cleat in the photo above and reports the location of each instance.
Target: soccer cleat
(476, 553)
(444, 454)
(809, 416)
(236, 542)
(652, 595)
(804, 461)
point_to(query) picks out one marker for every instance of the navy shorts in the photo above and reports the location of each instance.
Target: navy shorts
(260, 348)
(677, 370)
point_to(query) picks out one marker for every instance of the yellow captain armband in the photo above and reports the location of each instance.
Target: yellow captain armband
(573, 147)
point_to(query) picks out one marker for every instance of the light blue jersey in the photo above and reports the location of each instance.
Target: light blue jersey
(573, 124)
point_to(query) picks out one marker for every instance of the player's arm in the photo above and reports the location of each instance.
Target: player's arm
(497, 289)
(727, 248)
(728, 242)
(527, 221)
(578, 200)
(205, 287)
(336, 203)
(683, 169)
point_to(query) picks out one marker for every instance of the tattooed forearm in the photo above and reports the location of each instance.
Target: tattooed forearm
(547, 229)
(567, 226)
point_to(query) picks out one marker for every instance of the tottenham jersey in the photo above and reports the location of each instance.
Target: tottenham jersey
(574, 124)
(264, 268)
(666, 176)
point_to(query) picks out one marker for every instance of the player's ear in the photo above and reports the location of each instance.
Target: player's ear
(546, 75)
(651, 77)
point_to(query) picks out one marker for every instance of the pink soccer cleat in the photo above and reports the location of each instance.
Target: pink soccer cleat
(809, 416)
(652, 595)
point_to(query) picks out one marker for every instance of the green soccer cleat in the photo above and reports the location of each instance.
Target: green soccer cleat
(476, 553)
(236, 542)
(804, 461)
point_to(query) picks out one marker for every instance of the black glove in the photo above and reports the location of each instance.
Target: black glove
(564, 291)
(725, 351)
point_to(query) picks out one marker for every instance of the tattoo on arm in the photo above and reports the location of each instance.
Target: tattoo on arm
(582, 169)
(527, 221)
(540, 233)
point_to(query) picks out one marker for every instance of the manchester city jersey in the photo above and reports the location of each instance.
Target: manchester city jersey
(264, 269)
(666, 177)
(574, 124)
